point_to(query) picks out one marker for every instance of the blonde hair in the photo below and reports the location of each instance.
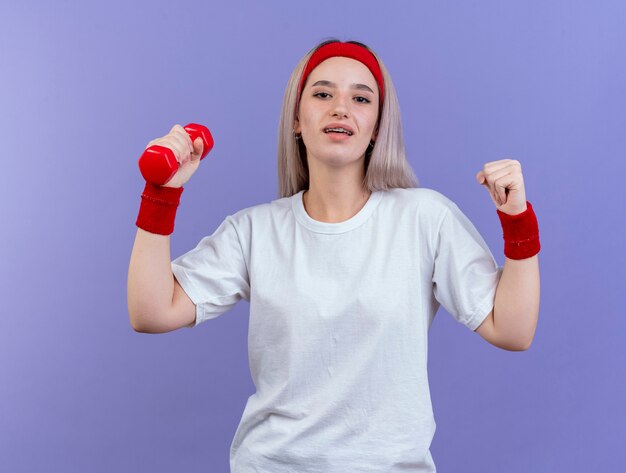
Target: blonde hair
(386, 165)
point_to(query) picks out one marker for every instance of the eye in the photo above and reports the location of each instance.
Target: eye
(359, 98)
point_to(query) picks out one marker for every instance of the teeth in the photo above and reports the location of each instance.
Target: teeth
(342, 130)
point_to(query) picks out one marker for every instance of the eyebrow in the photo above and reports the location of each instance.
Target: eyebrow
(353, 86)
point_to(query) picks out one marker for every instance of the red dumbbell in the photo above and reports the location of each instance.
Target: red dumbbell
(158, 163)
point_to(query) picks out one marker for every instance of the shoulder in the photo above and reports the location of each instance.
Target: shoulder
(261, 213)
(418, 210)
(420, 199)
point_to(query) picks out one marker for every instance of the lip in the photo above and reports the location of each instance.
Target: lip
(338, 125)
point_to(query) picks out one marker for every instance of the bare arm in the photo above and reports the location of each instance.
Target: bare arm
(512, 323)
(156, 302)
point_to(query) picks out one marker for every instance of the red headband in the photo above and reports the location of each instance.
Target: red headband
(351, 50)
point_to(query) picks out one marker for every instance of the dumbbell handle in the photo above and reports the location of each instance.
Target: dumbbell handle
(158, 164)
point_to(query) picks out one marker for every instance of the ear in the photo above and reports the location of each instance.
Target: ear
(296, 125)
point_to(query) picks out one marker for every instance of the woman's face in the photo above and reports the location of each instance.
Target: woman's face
(339, 92)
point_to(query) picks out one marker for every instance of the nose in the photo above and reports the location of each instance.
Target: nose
(339, 105)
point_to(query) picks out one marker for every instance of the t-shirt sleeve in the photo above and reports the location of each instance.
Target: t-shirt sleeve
(465, 275)
(214, 274)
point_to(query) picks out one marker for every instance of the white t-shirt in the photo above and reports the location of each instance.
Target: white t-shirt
(339, 320)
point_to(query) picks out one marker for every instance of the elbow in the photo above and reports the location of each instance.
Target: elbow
(141, 319)
(138, 321)
(516, 346)
(148, 323)
(135, 323)
(137, 328)
(527, 345)
(527, 342)
(134, 314)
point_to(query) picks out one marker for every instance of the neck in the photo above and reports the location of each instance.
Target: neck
(335, 200)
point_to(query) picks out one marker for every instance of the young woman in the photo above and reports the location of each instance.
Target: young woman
(344, 273)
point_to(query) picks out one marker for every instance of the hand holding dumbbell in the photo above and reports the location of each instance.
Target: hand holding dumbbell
(171, 160)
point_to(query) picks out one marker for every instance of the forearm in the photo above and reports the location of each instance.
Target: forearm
(150, 279)
(516, 308)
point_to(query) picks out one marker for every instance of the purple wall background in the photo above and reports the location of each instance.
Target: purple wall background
(84, 87)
